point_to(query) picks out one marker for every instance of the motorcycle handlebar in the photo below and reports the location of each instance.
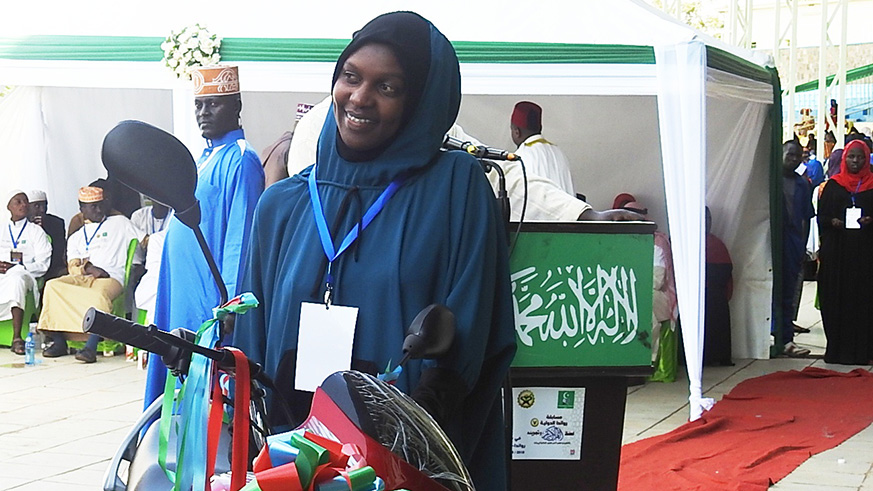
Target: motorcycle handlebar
(169, 346)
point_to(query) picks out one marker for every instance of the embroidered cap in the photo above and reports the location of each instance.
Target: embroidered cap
(90, 194)
(527, 115)
(215, 80)
(36, 195)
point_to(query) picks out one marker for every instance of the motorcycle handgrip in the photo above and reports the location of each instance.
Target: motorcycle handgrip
(109, 326)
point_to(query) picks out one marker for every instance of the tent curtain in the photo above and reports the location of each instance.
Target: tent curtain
(22, 136)
(681, 70)
(737, 190)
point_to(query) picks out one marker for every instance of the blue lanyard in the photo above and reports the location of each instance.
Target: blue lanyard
(856, 192)
(16, 239)
(85, 233)
(324, 231)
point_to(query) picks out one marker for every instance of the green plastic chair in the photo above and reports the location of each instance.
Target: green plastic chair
(119, 307)
(6, 326)
(30, 309)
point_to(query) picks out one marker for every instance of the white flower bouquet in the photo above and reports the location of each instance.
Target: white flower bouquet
(191, 47)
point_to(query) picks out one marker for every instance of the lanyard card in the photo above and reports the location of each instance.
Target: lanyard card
(852, 216)
(16, 257)
(324, 343)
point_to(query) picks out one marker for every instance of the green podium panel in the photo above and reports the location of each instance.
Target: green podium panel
(582, 294)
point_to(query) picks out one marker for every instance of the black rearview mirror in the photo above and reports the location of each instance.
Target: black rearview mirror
(155, 163)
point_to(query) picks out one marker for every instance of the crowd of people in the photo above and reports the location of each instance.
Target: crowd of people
(826, 218)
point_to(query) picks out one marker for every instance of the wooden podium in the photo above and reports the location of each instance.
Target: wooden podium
(582, 294)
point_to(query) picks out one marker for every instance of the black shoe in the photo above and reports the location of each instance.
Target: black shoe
(55, 350)
(800, 330)
(86, 355)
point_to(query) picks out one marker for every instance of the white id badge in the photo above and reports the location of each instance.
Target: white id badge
(324, 343)
(852, 216)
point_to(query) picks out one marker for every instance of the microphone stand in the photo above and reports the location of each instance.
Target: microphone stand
(502, 197)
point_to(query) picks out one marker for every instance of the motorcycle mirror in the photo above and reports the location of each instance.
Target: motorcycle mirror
(155, 163)
(431, 333)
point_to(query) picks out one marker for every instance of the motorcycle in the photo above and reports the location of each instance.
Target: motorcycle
(392, 434)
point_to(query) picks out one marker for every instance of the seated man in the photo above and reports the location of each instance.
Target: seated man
(96, 258)
(108, 204)
(146, 291)
(150, 220)
(55, 228)
(25, 253)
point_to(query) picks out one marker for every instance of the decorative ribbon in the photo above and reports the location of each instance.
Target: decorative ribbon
(302, 461)
(192, 404)
(390, 376)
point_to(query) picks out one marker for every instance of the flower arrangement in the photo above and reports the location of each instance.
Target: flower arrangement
(191, 47)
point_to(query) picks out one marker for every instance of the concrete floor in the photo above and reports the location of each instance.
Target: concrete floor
(62, 421)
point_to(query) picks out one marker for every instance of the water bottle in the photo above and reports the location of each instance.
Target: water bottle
(29, 350)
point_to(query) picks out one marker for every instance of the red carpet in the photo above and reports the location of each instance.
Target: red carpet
(757, 434)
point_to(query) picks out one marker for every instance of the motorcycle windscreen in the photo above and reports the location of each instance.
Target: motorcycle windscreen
(399, 439)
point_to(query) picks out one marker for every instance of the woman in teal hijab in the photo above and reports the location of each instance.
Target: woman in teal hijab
(424, 226)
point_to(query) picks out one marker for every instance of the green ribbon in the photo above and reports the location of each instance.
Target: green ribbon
(171, 400)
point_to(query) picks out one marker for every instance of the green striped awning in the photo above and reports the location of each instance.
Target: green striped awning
(132, 48)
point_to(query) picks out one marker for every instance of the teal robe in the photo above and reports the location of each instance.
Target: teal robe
(439, 239)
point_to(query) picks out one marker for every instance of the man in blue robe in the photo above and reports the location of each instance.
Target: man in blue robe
(230, 179)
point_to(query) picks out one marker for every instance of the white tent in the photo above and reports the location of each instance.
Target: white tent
(640, 103)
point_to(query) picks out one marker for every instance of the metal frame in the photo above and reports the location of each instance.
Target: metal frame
(787, 37)
(740, 23)
(828, 17)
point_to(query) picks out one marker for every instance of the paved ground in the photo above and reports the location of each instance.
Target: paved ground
(61, 421)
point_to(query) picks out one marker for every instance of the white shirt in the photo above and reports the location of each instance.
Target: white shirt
(32, 242)
(147, 223)
(147, 290)
(545, 159)
(104, 244)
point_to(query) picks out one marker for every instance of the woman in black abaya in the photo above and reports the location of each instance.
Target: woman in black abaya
(845, 277)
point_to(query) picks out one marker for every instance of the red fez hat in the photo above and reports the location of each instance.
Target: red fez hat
(527, 115)
(622, 199)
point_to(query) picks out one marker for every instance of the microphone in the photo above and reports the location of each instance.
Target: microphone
(478, 151)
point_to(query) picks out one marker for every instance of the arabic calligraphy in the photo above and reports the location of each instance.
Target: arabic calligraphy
(575, 305)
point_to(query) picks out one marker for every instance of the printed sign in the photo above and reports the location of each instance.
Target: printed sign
(582, 299)
(547, 423)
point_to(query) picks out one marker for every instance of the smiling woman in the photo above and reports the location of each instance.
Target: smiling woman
(369, 97)
(383, 225)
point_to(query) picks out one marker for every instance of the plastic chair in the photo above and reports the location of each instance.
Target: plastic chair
(6, 326)
(119, 306)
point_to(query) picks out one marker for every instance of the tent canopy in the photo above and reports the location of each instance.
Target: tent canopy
(640, 103)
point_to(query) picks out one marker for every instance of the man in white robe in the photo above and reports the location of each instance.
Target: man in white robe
(25, 254)
(540, 156)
